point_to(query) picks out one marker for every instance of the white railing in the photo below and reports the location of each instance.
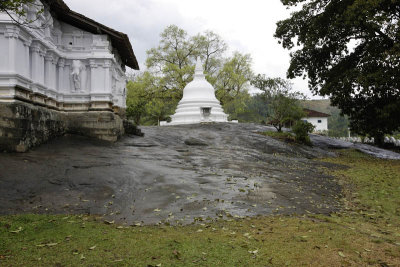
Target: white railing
(389, 140)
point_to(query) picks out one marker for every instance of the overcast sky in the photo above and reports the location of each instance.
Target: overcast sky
(247, 26)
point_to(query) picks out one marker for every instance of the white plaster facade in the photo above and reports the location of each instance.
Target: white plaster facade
(198, 103)
(320, 123)
(58, 65)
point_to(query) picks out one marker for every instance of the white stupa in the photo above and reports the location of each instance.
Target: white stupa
(198, 103)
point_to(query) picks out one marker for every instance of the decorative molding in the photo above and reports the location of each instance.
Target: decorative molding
(61, 62)
(48, 57)
(55, 58)
(63, 83)
(34, 49)
(107, 63)
(92, 63)
(12, 31)
(42, 52)
(27, 41)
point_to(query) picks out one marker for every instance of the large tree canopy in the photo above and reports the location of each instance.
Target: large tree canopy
(350, 51)
(173, 59)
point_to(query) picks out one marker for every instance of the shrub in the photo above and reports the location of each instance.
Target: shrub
(301, 129)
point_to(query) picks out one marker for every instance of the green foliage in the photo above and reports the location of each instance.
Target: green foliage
(211, 49)
(173, 60)
(171, 67)
(258, 108)
(157, 110)
(301, 129)
(284, 136)
(137, 98)
(17, 10)
(338, 124)
(147, 102)
(15, 6)
(243, 107)
(350, 51)
(233, 78)
(283, 103)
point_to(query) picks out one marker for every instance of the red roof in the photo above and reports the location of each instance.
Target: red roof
(313, 113)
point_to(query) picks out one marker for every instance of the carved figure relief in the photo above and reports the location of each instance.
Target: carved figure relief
(48, 24)
(76, 74)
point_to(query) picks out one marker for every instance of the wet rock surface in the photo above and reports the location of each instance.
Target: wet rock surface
(195, 142)
(331, 143)
(160, 178)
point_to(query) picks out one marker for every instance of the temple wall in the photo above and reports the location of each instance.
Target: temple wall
(59, 64)
(54, 79)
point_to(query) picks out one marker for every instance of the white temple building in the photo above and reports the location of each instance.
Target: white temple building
(63, 60)
(198, 103)
(60, 72)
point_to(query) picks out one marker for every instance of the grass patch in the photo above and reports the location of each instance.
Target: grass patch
(283, 136)
(365, 233)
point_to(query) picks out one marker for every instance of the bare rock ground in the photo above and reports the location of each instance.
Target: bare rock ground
(174, 174)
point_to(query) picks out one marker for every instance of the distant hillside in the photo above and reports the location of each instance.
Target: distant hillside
(322, 105)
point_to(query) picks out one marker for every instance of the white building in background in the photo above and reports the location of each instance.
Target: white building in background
(63, 60)
(318, 119)
(198, 103)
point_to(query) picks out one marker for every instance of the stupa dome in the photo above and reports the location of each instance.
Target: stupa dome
(199, 87)
(198, 103)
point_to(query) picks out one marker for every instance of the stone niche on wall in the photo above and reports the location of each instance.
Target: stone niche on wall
(62, 67)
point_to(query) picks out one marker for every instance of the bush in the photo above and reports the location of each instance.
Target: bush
(301, 129)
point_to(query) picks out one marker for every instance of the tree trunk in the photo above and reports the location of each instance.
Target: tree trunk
(137, 120)
(379, 139)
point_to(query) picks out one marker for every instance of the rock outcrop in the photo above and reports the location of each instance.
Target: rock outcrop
(24, 125)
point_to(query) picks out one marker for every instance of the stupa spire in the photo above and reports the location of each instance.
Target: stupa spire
(198, 71)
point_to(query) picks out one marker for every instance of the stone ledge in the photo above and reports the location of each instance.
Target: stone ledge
(24, 125)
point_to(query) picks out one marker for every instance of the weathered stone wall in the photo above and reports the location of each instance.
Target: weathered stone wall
(131, 128)
(24, 125)
(103, 125)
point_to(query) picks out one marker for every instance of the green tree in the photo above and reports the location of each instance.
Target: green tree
(211, 49)
(234, 77)
(283, 103)
(157, 110)
(242, 108)
(301, 129)
(338, 124)
(148, 101)
(350, 51)
(172, 60)
(171, 67)
(139, 93)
